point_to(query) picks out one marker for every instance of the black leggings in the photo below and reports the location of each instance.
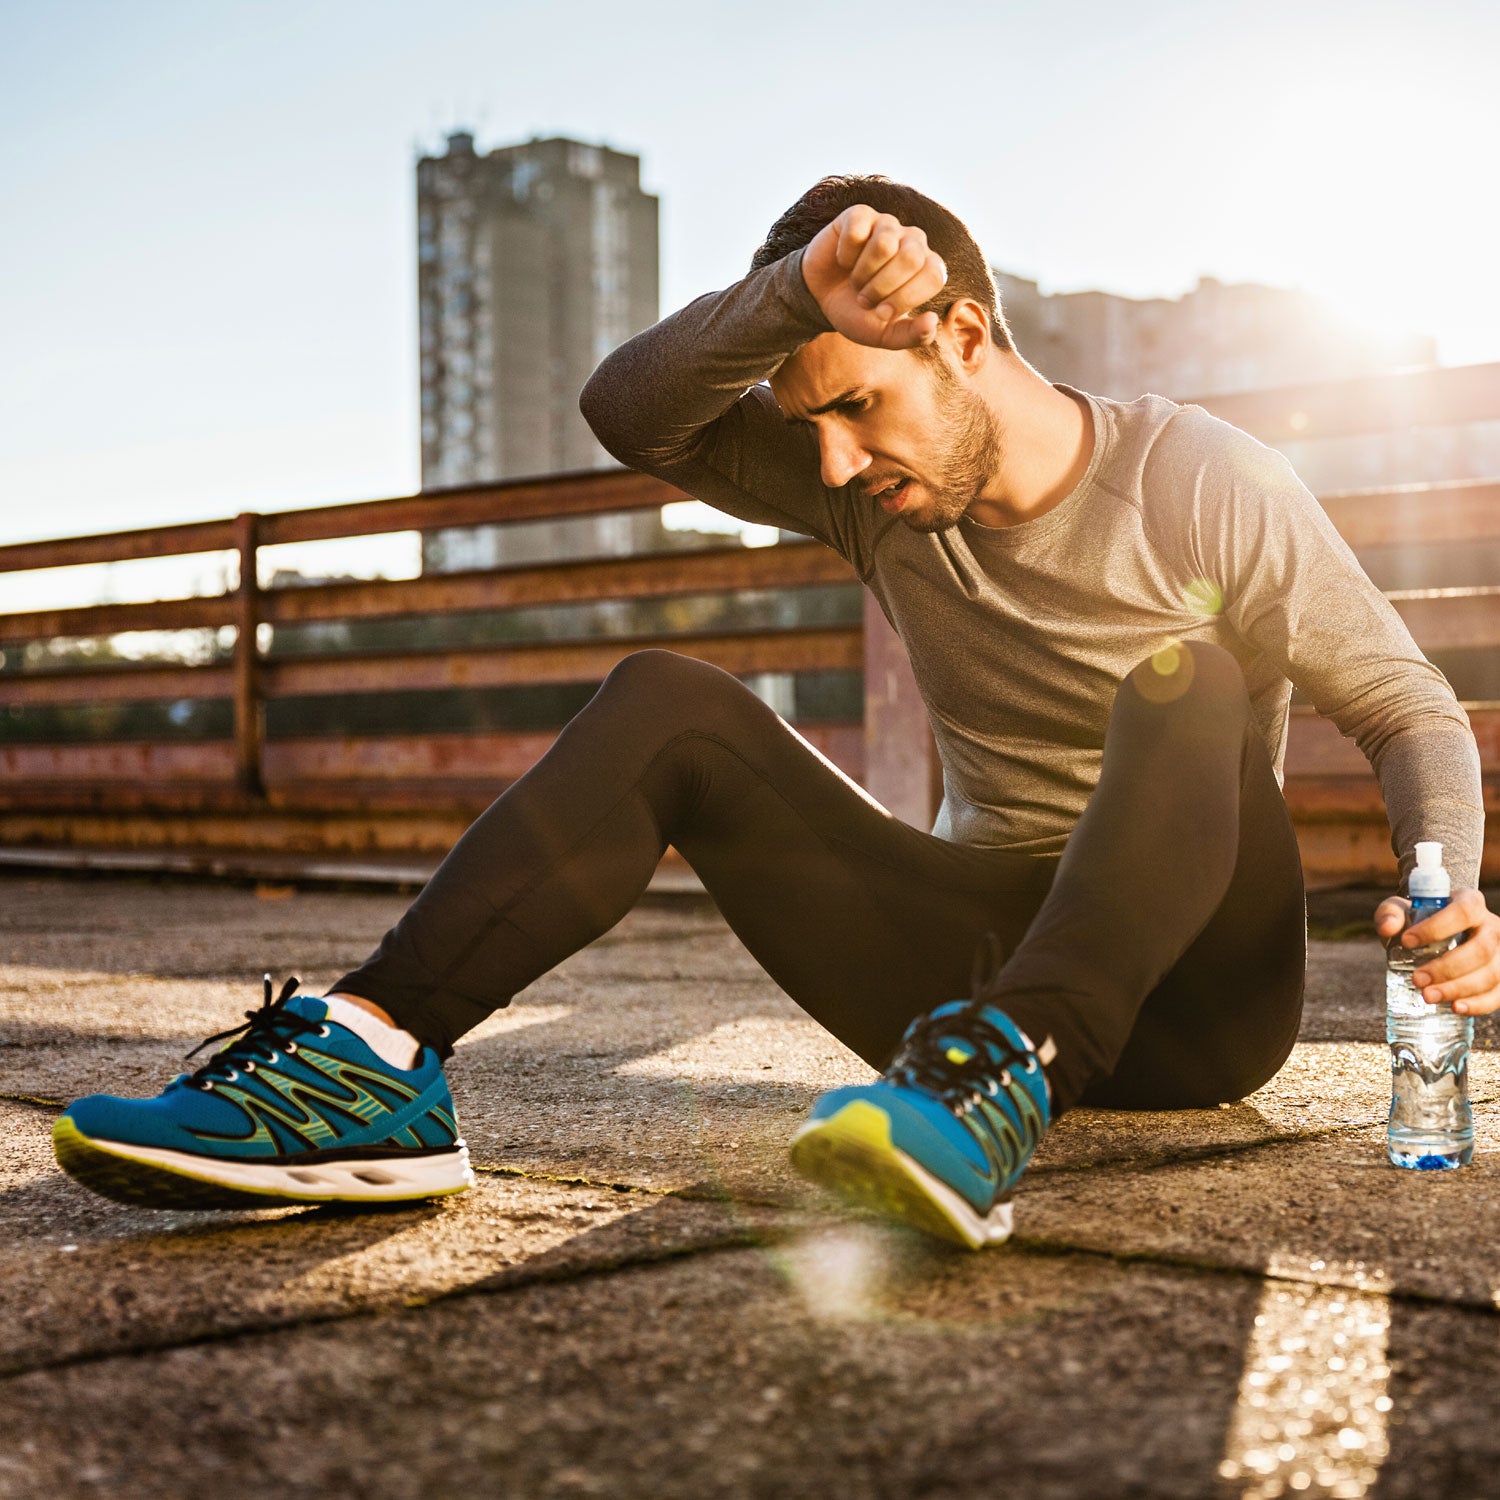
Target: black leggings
(1164, 951)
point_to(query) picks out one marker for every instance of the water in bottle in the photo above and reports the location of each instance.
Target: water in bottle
(1431, 1127)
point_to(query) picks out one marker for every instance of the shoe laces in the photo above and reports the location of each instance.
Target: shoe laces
(979, 1065)
(957, 1053)
(269, 1030)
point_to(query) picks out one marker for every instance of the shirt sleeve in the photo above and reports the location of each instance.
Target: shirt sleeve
(1294, 590)
(685, 401)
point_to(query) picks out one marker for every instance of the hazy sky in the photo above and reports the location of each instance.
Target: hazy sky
(207, 257)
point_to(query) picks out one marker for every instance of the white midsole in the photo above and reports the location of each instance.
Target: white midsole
(995, 1227)
(375, 1178)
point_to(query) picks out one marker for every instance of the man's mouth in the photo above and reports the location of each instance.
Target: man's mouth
(892, 496)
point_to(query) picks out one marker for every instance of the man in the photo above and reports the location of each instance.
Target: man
(1105, 605)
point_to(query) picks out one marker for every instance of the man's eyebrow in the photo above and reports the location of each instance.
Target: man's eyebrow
(842, 399)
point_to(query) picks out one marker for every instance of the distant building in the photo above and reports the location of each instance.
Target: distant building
(534, 261)
(1219, 338)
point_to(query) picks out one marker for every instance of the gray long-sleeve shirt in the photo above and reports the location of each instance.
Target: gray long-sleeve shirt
(1182, 528)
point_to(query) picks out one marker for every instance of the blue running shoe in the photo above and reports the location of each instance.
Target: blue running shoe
(295, 1109)
(943, 1136)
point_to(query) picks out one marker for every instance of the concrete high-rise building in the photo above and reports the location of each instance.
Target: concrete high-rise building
(534, 261)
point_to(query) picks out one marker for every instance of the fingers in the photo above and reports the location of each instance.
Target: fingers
(1468, 974)
(1475, 993)
(853, 228)
(907, 333)
(891, 269)
(1390, 916)
(1467, 909)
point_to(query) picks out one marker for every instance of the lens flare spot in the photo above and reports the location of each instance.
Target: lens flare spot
(1204, 597)
(1166, 674)
(838, 1275)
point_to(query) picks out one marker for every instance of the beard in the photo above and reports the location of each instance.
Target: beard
(969, 446)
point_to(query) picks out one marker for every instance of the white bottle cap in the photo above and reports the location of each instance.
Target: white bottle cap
(1429, 878)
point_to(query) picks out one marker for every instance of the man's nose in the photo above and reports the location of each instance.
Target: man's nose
(841, 457)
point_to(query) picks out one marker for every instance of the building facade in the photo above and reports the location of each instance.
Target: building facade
(1222, 338)
(1217, 339)
(534, 261)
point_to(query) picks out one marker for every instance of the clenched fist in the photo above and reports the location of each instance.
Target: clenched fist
(868, 271)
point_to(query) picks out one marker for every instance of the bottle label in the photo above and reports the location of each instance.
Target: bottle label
(1406, 1002)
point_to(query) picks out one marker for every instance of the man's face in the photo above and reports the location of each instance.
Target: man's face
(908, 433)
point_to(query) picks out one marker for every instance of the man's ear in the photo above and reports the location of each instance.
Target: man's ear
(968, 330)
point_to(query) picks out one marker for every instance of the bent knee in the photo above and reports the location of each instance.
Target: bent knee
(672, 683)
(1190, 672)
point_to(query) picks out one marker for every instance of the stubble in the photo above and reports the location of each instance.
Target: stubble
(969, 444)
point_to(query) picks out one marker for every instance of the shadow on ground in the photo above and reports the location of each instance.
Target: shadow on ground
(638, 1298)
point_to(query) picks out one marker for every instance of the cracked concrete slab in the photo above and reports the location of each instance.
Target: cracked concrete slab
(662, 1055)
(81, 1277)
(1329, 1210)
(850, 1362)
(640, 1298)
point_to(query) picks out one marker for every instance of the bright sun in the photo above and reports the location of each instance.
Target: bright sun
(1385, 182)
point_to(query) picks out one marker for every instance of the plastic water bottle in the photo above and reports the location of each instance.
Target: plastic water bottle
(1431, 1126)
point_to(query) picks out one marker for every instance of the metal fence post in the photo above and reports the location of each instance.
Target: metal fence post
(249, 731)
(901, 764)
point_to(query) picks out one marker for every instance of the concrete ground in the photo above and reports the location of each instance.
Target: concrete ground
(639, 1298)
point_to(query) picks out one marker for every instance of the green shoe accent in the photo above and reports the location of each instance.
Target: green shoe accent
(145, 1184)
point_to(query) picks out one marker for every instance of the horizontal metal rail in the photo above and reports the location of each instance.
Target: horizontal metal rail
(1365, 404)
(1416, 515)
(651, 576)
(332, 791)
(590, 493)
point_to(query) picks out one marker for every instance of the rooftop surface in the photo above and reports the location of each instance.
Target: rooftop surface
(640, 1298)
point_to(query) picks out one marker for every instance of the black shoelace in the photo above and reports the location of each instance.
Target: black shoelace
(270, 1029)
(922, 1060)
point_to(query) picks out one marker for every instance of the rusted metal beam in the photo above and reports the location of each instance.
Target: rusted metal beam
(806, 650)
(1416, 514)
(119, 546)
(111, 619)
(1345, 837)
(1437, 397)
(1315, 748)
(206, 760)
(309, 834)
(1335, 849)
(144, 683)
(791, 565)
(591, 493)
(417, 770)
(499, 758)
(1357, 799)
(493, 757)
(1451, 619)
(468, 796)
(249, 726)
(901, 765)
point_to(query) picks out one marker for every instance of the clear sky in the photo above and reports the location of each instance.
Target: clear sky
(207, 250)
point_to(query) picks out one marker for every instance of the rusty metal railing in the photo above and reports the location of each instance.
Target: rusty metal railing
(325, 794)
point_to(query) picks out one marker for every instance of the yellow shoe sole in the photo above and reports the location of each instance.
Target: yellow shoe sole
(852, 1153)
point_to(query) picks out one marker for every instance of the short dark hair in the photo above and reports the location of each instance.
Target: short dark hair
(968, 272)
